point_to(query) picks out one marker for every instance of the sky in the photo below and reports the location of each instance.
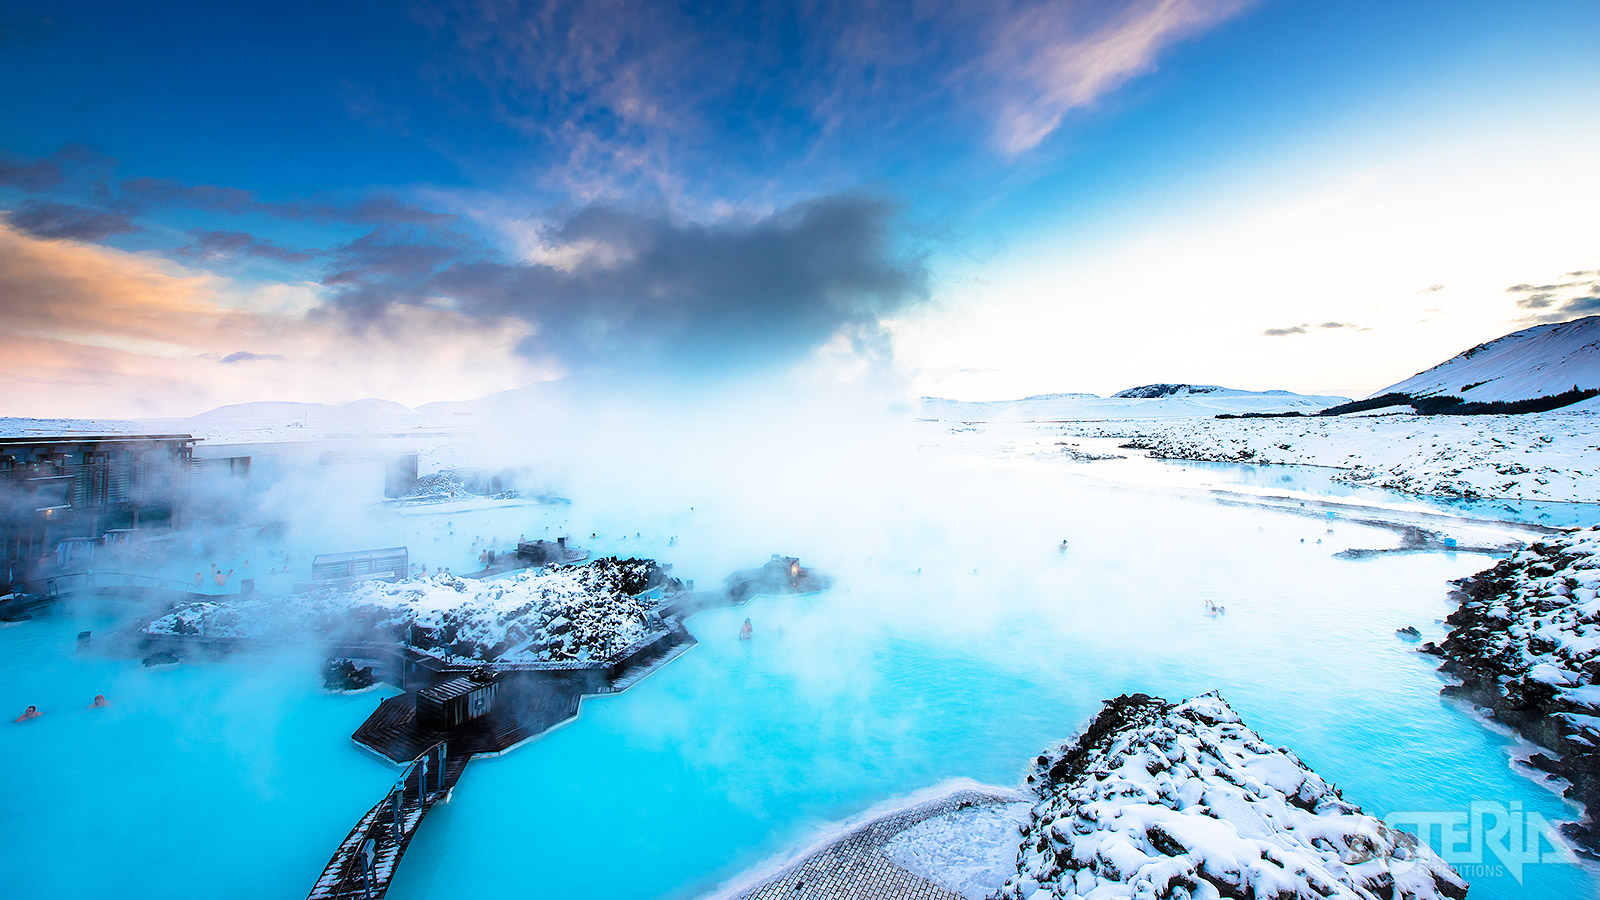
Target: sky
(977, 200)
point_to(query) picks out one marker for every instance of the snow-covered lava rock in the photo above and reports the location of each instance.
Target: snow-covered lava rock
(1539, 456)
(1525, 643)
(558, 613)
(1165, 800)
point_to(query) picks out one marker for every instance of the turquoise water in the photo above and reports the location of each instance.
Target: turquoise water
(234, 779)
(957, 642)
(896, 680)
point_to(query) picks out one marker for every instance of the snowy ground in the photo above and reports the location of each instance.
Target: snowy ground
(551, 614)
(1535, 619)
(1545, 456)
(971, 851)
(1167, 800)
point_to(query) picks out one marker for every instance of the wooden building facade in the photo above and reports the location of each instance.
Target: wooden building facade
(55, 489)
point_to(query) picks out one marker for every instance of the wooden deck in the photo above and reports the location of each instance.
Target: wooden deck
(389, 831)
(529, 703)
(527, 706)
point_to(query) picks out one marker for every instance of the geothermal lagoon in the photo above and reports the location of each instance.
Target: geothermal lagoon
(958, 640)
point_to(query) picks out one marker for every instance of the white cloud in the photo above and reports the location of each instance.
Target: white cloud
(1049, 64)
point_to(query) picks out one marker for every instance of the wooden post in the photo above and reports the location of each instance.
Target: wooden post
(368, 857)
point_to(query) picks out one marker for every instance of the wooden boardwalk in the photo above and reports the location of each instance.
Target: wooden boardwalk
(388, 831)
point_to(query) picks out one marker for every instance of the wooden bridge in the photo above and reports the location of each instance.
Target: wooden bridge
(365, 862)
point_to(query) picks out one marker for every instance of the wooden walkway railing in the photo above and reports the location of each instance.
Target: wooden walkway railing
(365, 862)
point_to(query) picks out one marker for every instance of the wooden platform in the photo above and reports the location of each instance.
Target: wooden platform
(527, 706)
(344, 875)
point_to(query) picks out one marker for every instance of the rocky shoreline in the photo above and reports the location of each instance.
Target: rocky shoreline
(1158, 799)
(1525, 646)
(1544, 457)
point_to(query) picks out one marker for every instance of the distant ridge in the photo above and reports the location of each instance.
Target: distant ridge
(1152, 401)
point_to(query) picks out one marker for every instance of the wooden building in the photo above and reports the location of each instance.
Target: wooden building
(68, 490)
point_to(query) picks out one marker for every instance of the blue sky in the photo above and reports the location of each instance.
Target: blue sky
(423, 201)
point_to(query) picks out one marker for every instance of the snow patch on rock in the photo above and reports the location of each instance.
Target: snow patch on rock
(558, 613)
(1157, 799)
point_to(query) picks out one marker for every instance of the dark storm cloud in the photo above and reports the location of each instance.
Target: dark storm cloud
(66, 220)
(215, 244)
(70, 163)
(1582, 305)
(1558, 302)
(639, 288)
(1306, 327)
(29, 174)
(394, 265)
(76, 196)
(382, 210)
(246, 356)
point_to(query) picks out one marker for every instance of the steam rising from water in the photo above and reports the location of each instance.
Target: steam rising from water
(958, 639)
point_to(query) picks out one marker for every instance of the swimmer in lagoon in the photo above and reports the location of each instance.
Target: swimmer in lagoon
(747, 632)
(32, 712)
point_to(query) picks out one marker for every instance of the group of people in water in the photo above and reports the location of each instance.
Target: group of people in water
(219, 577)
(33, 712)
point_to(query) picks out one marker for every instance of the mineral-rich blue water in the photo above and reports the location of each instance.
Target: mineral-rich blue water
(739, 751)
(957, 641)
(236, 779)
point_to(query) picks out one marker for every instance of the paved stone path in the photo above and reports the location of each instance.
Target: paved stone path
(853, 867)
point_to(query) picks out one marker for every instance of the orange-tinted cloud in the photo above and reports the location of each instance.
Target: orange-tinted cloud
(90, 331)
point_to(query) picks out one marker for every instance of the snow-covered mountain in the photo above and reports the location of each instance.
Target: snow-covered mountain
(1535, 362)
(1151, 401)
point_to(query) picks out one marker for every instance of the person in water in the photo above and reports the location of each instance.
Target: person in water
(32, 712)
(100, 702)
(747, 632)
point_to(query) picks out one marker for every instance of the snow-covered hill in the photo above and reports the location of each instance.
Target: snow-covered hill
(1151, 401)
(1535, 362)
